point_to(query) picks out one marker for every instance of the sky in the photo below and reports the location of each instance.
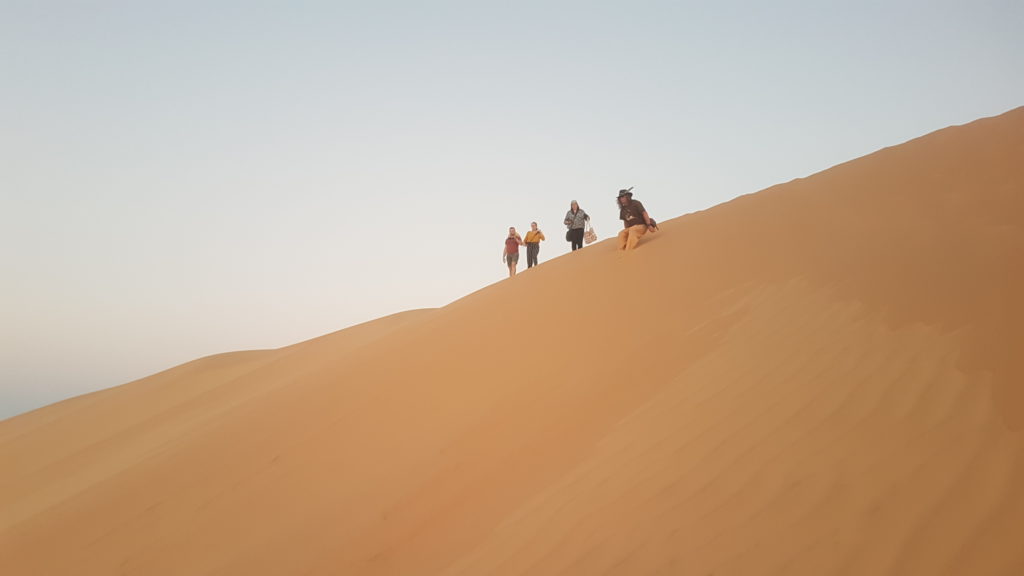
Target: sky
(180, 179)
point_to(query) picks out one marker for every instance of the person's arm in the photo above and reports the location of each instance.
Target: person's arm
(540, 235)
(520, 240)
(647, 219)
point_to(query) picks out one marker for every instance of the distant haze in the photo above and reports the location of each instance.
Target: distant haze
(182, 179)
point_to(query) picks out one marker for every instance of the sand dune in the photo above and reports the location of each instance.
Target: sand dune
(823, 377)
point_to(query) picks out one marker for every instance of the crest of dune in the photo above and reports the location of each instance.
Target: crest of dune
(823, 377)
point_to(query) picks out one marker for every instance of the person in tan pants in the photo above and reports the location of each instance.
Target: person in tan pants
(635, 220)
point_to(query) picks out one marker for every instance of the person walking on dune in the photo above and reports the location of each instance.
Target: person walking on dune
(635, 220)
(510, 255)
(575, 220)
(533, 240)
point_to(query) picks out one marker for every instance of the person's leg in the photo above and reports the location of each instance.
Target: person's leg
(577, 238)
(635, 233)
(531, 255)
(623, 236)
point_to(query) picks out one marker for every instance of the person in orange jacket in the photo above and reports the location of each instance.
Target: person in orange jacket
(532, 241)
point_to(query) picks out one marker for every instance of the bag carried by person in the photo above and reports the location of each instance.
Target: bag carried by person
(590, 236)
(568, 235)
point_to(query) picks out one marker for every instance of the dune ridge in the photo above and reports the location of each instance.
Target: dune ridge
(822, 377)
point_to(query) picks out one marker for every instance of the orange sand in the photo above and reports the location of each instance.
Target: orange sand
(824, 377)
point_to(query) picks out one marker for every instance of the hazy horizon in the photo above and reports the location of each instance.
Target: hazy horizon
(189, 179)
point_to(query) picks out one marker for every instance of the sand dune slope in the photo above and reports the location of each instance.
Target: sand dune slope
(824, 377)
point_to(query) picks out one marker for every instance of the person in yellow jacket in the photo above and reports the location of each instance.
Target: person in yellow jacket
(533, 240)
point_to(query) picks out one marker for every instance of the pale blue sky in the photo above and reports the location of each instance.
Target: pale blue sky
(180, 179)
